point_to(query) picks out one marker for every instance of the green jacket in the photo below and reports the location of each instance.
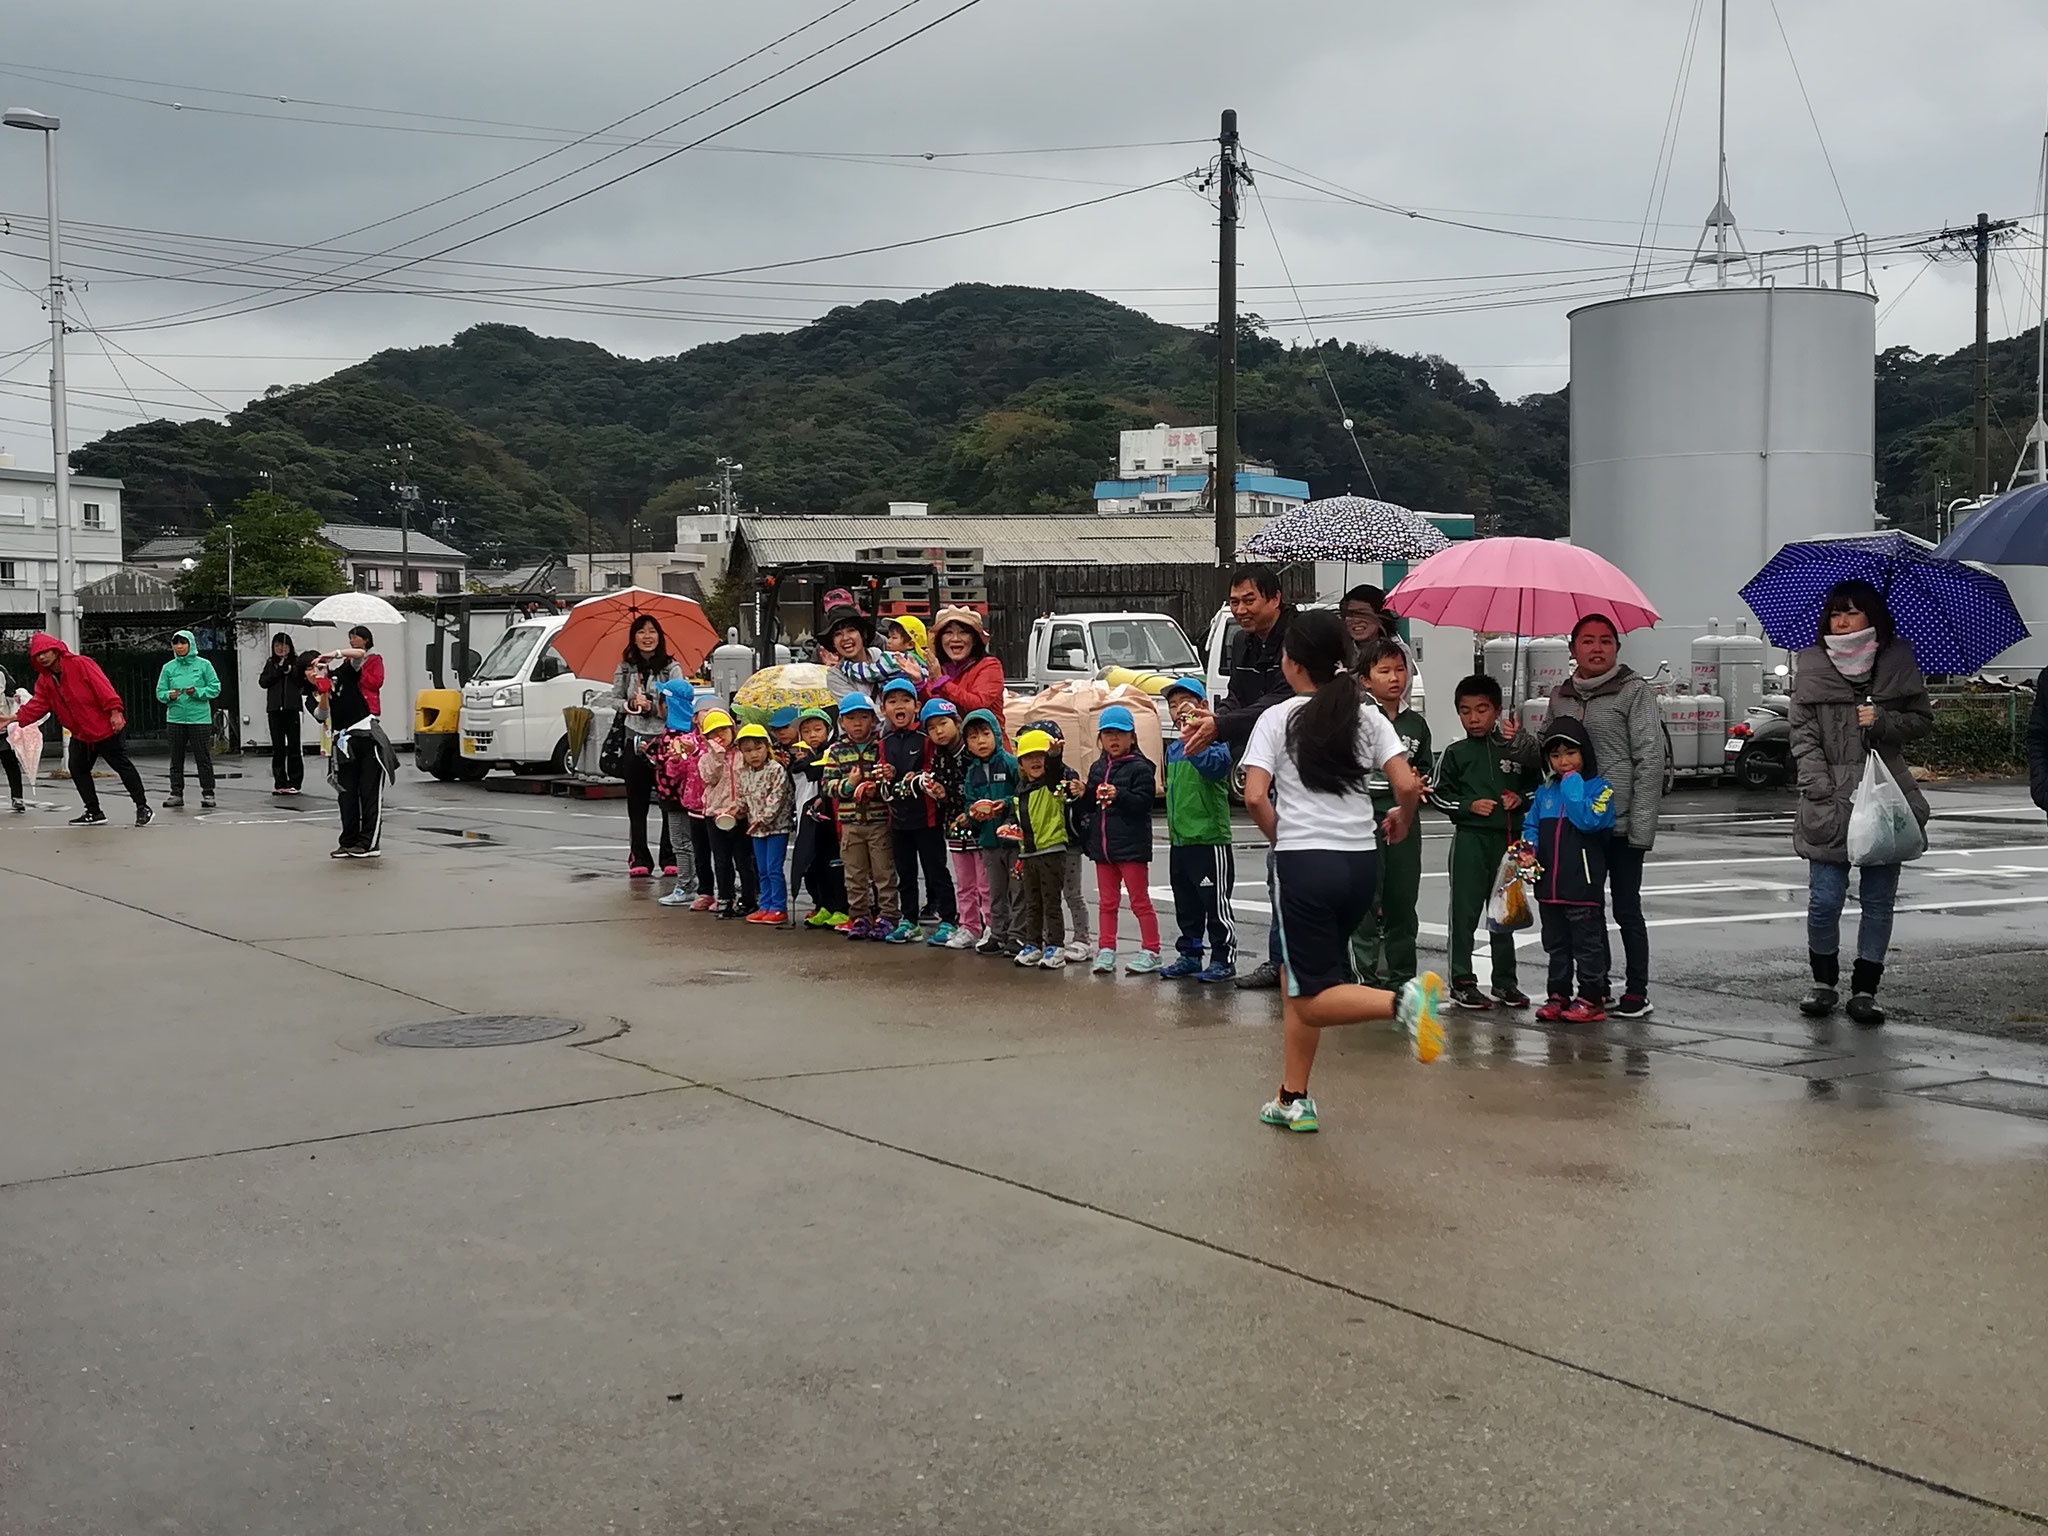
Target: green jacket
(1198, 796)
(1042, 811)
(198, 684)
(1479, 768)
(1414, 733)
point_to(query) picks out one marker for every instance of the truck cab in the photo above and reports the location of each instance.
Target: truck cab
(1223, 633)
(1067, 647)
(512, 705)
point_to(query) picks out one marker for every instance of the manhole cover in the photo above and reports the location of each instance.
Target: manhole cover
(478, 1029)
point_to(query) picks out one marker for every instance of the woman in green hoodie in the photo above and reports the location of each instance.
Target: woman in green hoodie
(186, 688)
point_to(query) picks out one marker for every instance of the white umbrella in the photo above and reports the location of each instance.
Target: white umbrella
(353, 608)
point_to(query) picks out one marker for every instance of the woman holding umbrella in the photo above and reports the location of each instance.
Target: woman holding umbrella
(1857, 690)
(636, 694)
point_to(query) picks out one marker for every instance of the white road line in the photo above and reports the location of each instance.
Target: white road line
(585, 848)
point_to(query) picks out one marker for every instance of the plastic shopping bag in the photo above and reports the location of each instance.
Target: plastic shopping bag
(1508, 909)
(1882, 827)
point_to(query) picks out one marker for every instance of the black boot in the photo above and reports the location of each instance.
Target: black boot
(1827, 970)
(1864, 976)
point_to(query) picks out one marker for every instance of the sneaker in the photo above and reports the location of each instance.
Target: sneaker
(19, 808)
(207, 802)
(962, 938)
(1585, 1011)
(669, 870)
(904, 931)
(857, 930)
(942, 937)
(679, 897)
(1053, 960)
(1222, 970)
(1511, 997)
(704, 904)
(1146, 963)
(1633, 1005)
(1264, 979)
(638, 871)
(991, 944)
(1466, 994)
(1078, 950)
(1179, 966)
(280, 791)
(174, 803)
(90, 819)
(841, 921)
(340, 853)
(1863, 1009)
(143, 816)
(367, 853)
(1418, 1012)
(1552, 1010)
(1030, 954)
(819, 918)
(1298, 1116)
(1105, 963)
(768, 917)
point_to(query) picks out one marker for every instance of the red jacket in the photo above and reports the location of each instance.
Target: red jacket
(979, 686)
(79, 694)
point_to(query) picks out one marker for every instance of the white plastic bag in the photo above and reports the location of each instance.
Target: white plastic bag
(1509, 910)
(1882, 827)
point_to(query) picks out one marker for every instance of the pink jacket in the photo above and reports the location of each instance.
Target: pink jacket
(720, 794)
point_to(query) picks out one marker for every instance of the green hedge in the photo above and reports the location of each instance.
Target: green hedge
(1975, 733)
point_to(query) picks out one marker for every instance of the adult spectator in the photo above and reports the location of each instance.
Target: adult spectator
(1619, 710)
(963, 672)
(1856, 691)
(1257, 683)
(76, 691)
(284, 689)
(9, 763)
(636, 694)
(2037, 743)
(187, 687)
(362, 759)
(1365, 620)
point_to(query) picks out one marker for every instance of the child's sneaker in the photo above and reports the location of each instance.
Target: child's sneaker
(1105, 963)
(208, 803)
(858, 929)
(1146, 963)
(1634, 1006)
(959, 938)
(1181, 965)
(1466, 994)
(1417, 1014)
(819, 918)
(1298, 1116)
(839, 922)
(991, 944)
(704, 904)
(1222, 970)
(1030, 954)
(942, 937)
(766, 917)
(1585, 1011)
(904, 931)
(1552, 1010)
(1078, 950)
(669, 870)
(679, 897)
(1053, 960)
(1511, 997)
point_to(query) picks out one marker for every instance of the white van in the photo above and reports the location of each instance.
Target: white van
(512, 706)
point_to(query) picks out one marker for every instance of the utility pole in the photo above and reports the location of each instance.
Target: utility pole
(408, 496)
(728, 503)
(1230, 170)
(60, 432)
(1982, 445)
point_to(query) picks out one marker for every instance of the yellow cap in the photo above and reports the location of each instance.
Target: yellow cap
(1033, 741)
(913, 627)
(752, 733)
(712, 720)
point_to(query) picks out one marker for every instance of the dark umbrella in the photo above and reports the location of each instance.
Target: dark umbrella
(276, 610)
(1955, 616)
(1353, 529)
(2011, 530)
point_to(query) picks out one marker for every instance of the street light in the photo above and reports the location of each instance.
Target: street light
(60, 436)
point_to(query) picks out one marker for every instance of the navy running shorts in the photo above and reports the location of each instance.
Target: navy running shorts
(1321, 895)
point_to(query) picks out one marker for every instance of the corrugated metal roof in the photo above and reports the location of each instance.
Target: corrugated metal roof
(1073, 539)
(369, 539)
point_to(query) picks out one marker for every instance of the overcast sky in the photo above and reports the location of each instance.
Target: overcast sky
(1539, 119)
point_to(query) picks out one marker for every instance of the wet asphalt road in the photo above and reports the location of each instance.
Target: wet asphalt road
(794, 1235)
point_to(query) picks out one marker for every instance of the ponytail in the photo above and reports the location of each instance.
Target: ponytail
(1322, 736)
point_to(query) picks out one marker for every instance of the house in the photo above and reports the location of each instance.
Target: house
(1167, 469)
(380, 559)
(28, 539)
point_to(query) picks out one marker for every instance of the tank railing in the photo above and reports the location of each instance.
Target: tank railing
(1844, 264)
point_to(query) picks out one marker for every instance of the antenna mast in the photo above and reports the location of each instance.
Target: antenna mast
(1721, 222)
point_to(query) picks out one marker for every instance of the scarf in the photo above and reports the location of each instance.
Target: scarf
(1590, 680)
(1854, 656)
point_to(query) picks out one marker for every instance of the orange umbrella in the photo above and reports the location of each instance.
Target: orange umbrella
(595, 637)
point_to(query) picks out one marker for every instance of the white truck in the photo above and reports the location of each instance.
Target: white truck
(1066, 647)
(512, 705)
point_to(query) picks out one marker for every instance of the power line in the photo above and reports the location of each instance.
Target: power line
(1667, 144)
(1811, 117)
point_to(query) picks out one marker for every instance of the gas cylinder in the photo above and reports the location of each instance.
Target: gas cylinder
(731, 664)
(1550, 663)
(1680, 713)
(1706, 659)
(1742, 671)
(1710, 732)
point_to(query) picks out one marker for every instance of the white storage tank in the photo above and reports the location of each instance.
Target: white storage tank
(1680, 712)
(1550, 663)
(1710, 734)
(1742, 672)
(1506, 661)
(1706, 658)
(1711, 426)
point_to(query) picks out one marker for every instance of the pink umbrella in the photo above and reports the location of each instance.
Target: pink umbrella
(1519, 587)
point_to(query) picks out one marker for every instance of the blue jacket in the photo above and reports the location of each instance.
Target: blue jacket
(1570, 818)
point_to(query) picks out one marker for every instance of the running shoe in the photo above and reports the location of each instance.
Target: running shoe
(1263, 979)
(669, 870)
(206, 800)
(1222, 970)
(1180, 966)
(143, 816)
(1552, 1010)
(904, 931)
(90, 819)
(960, 938)
(991, 944)
(841, 921)
(1418, 1014)
(704, 904)
(365, 851)
(638, 871)
(1053, 960)
(819, 918)
(174, 802)
(1298, 1116)
(1466, 994)
(1511, 997)
(1105, 963)
(1585, 1011)
(1078, 950)
(1144, 965)
(858, 930)
(679, 897)
(340, 853)
(1030, 954)
(942, 937)
(766, 917)
(1633, 1005)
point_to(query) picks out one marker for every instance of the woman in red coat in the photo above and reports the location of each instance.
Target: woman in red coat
(963, 673)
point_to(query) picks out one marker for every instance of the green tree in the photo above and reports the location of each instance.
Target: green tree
(277, 552)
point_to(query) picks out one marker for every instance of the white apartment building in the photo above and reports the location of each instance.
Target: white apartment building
(28, 538)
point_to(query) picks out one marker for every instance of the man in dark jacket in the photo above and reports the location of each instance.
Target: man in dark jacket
(284, 689)
(2037, 743)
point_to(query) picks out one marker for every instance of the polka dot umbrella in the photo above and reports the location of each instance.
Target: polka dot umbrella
(1353, 529)
(1955, 616)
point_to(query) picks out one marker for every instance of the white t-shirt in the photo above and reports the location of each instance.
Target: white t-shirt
(1309, 819)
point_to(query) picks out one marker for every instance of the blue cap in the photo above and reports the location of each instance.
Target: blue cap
(1115, 718)
(783, 718)
(856, 703)
(706, 698)
(678, 696)
(1192, 685)
(937, 709)
(899, 684)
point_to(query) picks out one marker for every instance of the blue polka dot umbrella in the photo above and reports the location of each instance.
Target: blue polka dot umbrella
(1955, 617)
(1354, 529)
